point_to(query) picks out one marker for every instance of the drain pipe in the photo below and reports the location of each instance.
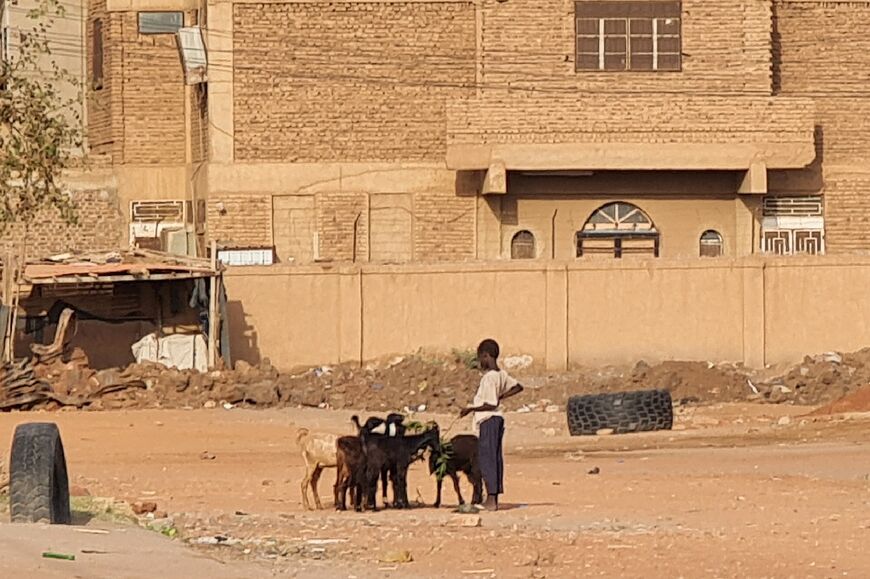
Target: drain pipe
(553, 234)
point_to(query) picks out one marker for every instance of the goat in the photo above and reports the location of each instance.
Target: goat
(350, 470)
(463, 457)
(392, 426)
(395, 453)
(318, 452)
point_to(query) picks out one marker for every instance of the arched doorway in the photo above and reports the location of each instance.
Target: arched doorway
(618, 229)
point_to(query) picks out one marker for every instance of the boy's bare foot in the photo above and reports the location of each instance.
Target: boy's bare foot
(491, 503)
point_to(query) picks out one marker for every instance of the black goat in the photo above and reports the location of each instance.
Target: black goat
(396, 454)
(392, 426)
(350, 462)
(462, 457)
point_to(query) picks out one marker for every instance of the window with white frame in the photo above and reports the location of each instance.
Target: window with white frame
(793, 225)
(628, 36)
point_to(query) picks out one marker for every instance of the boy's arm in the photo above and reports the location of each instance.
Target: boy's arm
(514, 390)
(482, 408)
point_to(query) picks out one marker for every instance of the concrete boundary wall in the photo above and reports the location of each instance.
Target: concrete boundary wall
(752, 310)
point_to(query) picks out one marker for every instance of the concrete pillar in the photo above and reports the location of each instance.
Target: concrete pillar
(754, 338)
(219, 39)
(556, 345)
(350, 298)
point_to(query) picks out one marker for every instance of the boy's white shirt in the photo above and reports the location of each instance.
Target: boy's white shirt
(493, 385)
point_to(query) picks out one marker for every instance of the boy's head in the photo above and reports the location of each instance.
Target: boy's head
(487, 354)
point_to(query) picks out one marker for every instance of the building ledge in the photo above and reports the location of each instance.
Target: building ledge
(618, 132)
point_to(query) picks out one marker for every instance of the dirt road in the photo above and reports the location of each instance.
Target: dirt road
(733, 491)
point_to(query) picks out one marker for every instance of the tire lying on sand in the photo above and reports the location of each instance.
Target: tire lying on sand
(38, 482)
(638, 411)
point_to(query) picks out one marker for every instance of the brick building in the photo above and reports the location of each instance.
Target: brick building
(417, 130)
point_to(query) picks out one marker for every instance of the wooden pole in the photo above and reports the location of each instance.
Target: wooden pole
(8, 272)
(213, 309)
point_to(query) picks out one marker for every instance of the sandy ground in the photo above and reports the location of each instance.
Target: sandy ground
(733, 491)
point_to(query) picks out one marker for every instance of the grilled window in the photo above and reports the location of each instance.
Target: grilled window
(635, 36)
(618, 229)
(711, 244)
(523, 245)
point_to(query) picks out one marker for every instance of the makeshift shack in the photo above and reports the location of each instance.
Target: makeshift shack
(117, 308)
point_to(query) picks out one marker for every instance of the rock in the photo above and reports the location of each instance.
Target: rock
(421, 408)
(467, 520)
(604, 432)
(832, 357)
(209, 404)
(804, 371)
(784, 421)
(108, 377)
(396, 557)
(395, 361)
(549, 431)
(262, 393)
(551, 408)
(206, 455)
(523, 409)
(242, 367)
(141, 508)
(782, 389)
(595, 470)
(160, 515)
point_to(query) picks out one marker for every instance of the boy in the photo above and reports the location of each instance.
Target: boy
(488, 422)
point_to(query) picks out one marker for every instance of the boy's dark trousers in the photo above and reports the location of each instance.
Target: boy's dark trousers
(490, 453)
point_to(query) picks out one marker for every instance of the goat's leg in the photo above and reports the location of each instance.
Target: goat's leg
(438, 482)
(401, 487)
(315, 477)
(384, 473)
(456, 488)
(306, 479)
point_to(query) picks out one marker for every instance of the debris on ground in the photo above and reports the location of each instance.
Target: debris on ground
(418, 382)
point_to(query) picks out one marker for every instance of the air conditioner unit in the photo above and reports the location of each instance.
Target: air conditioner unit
(178, 241)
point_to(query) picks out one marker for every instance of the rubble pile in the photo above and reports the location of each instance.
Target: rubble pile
(414, 383)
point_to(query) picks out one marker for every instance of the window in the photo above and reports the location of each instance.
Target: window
(618, 229)
(523, 245)
(97, 63)
(160, 22)
(711, 244)
(635, 36)
(793, 225)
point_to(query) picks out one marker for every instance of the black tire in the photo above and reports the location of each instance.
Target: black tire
(638, 411)
(38, 482)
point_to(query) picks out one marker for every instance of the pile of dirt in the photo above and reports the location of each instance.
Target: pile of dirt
(819, 379)
(440, 384)
(857, 401)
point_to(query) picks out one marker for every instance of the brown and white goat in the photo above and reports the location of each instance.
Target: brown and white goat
(318, 452)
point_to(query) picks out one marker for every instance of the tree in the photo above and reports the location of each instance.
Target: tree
(40, 129)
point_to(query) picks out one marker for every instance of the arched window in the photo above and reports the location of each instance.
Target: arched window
(711, 244)
(618, 228)
(523, 245)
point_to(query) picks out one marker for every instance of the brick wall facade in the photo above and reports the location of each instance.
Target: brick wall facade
(99, 226)
(529, 44)
(137, 113)
(821, 52)
(532, 118)
(242, 221)
(340, 81)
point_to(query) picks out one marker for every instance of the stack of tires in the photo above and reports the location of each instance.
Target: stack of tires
(622, 412)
